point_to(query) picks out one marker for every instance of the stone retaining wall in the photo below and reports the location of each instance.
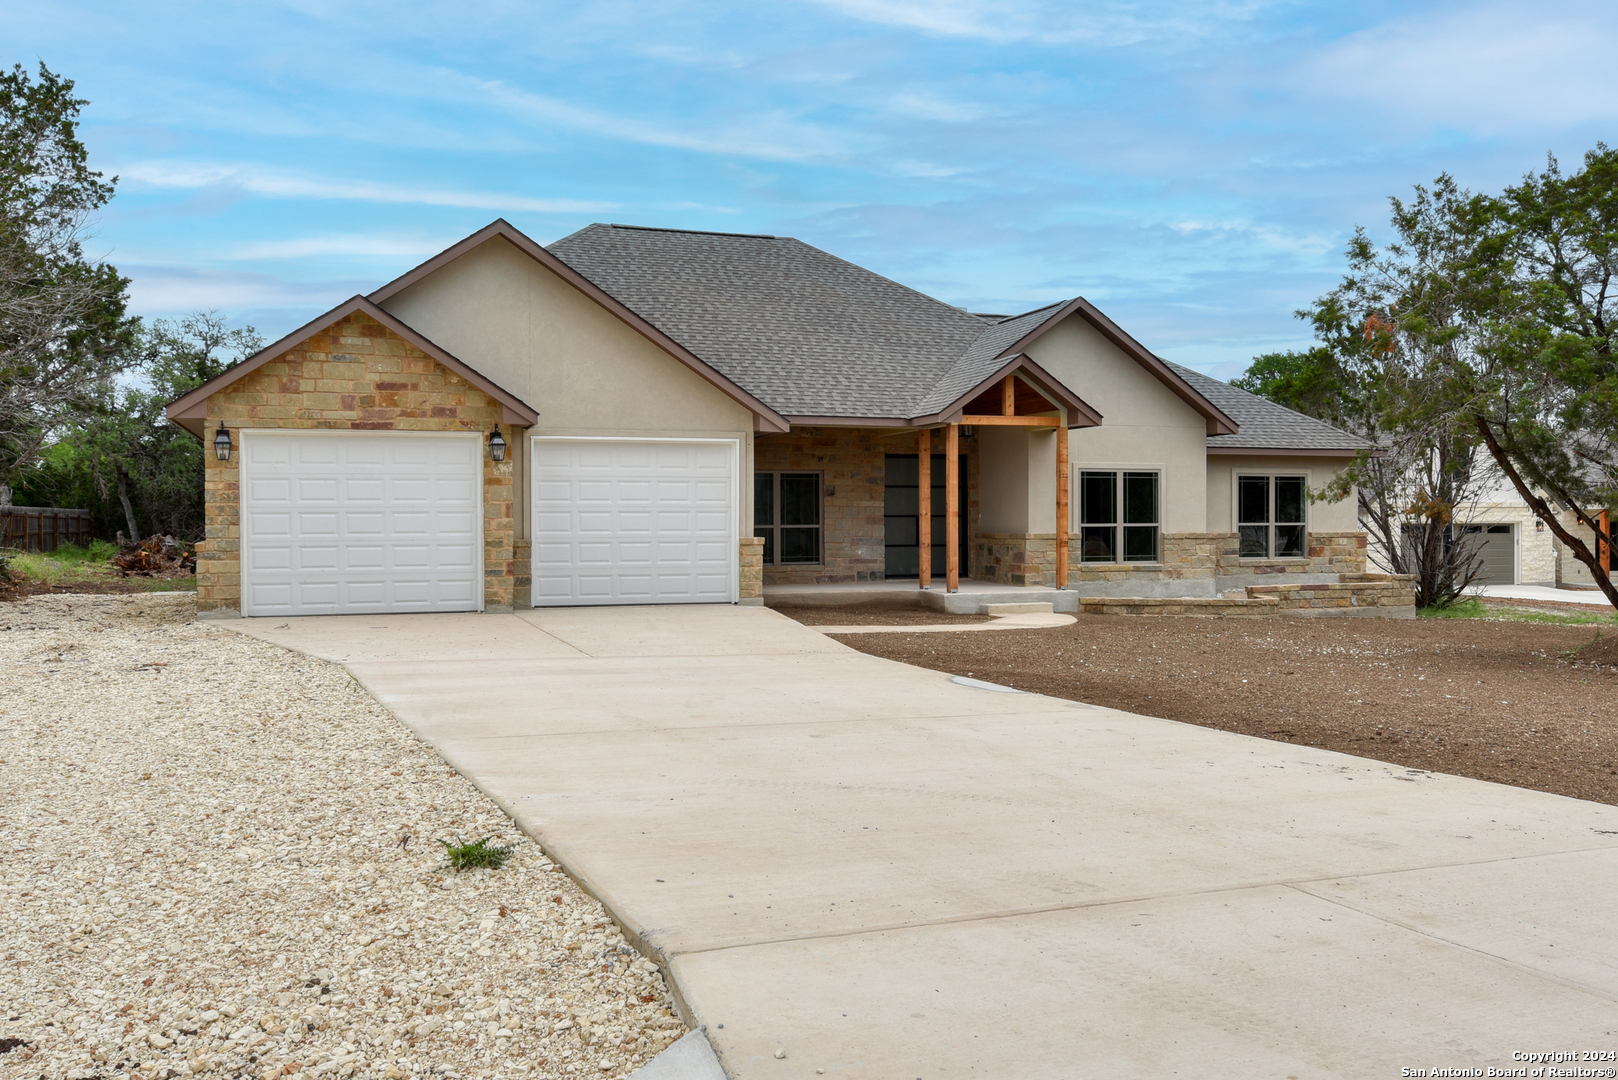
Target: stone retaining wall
(1368, 595)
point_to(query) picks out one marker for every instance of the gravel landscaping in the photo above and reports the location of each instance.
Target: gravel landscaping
(1529, 704)
(221, 857)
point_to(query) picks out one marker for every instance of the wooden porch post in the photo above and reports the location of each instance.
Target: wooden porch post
(924, 478)
(1061, 503)
(952, 508)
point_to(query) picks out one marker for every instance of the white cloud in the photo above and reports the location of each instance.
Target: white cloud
(170, 290)
(927, 107)
(774, 136)
(260, 181)
(354, 245)
(1004, 21)
(1483, 69)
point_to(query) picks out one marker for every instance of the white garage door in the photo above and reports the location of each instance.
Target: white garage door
(361, 523)
(634, 521)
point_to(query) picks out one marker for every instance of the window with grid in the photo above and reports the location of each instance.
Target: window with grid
(1270, 516)
(1118, 516)
(786, 513)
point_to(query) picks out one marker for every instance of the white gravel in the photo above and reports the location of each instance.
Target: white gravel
(219, 857)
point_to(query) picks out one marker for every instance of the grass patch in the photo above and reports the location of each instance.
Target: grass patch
(67, 565)
(84, 569)
(1477, 609)
(478, 855)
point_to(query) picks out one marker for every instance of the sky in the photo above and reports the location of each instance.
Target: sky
(1193, 169)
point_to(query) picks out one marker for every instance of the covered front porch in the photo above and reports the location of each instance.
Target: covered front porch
(929, 505)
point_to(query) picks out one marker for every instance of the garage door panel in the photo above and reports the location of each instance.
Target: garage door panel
(633, 522)
(357, 522)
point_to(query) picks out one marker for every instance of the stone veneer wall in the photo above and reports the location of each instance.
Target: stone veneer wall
(1030, 559)
(355, 375)
(752, 568)
(853, 467)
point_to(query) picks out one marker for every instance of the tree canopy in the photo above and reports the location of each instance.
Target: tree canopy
(64, 331)
(1484, 328)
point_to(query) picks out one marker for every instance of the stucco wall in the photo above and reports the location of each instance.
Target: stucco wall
(1339, 516)
(354, 375)
(1144, 424)
(583, 368)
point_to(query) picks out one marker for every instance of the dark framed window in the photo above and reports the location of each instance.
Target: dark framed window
(1271, 516)
(786, 513)
(1118, 516)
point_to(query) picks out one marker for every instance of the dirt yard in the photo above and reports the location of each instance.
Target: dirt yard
(1509, 702)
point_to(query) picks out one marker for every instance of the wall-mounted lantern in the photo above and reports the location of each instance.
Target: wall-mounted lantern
(497, 444)
(221, 443)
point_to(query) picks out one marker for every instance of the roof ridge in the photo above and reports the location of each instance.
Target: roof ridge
(696, 232)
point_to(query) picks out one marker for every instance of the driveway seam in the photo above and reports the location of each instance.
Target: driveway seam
(1441, 939)
(1015, 913)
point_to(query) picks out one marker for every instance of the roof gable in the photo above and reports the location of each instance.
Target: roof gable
(766, 418)
(188, 410)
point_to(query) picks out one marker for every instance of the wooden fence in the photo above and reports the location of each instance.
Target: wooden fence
(43, 528)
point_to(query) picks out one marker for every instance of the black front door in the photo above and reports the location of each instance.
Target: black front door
(901, 513)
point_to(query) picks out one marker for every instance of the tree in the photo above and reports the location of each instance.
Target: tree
(1384, 369)
(64, 332)
(1546, 397)
(125, 460)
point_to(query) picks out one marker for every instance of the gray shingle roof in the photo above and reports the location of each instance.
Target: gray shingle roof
(1264, 424)
(801, 329)
(814, 335)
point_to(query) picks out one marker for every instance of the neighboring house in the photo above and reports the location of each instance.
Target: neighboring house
(676, 407)
(1513, 546)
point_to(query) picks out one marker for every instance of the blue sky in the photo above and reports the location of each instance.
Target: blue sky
(1192, 168)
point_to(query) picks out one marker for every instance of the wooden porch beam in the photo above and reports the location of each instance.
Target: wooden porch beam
(1013, 421)
(924, 476)
(1062, 482)
(952, 508)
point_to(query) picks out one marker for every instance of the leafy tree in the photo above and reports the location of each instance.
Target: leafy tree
(1389, 335)
(1545, 399)
(63, 327)
(125, 460)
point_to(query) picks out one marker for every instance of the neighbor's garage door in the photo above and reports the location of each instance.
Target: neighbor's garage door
(360, 523)
(634, 521)
(1497, 563)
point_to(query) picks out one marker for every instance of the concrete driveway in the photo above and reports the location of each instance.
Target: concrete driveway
(887, 873)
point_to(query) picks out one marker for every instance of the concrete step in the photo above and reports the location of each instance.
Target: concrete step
(1026, 607)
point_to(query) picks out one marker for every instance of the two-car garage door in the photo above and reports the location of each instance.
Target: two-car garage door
(367, 522)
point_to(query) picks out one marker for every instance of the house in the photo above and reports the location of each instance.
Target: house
(639, 416)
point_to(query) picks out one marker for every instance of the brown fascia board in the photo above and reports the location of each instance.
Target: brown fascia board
(765, 419)
(1281, 451)
(1079, 412)
(1218, 422)
(194, 406)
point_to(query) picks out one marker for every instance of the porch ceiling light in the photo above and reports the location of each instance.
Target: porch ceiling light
(221, 443)
(497, 444)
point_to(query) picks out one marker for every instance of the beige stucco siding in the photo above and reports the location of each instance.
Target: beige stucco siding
(585, 370)
(1144, 424)
(1339, 516)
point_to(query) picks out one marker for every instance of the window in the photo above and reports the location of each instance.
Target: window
(1117, 516)
(786, 513)
(1270, 516)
